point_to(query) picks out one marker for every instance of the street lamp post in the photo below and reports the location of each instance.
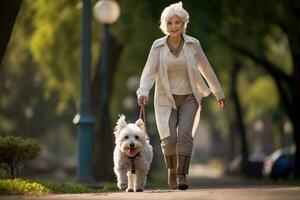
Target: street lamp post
(106, 12)
(85, 119)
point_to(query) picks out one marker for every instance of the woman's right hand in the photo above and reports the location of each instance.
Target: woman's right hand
(142, 100)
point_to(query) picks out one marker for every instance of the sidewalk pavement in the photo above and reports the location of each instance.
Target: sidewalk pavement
(205, 183)
(258, 193)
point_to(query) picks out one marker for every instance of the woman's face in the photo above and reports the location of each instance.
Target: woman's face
(175, 26)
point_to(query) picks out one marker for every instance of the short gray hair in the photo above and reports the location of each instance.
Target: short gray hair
(170, 11)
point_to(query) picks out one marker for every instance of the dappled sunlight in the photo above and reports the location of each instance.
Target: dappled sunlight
(201, 170)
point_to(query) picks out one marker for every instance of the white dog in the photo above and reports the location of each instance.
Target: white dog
(132, 155)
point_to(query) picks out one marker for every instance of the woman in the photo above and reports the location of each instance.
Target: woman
(177, 63)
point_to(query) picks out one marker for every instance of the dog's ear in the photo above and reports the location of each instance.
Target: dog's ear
(140, 123)
(121, 123)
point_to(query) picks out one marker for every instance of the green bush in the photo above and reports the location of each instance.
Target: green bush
(19, 186)
(33, 187)
(15, 152)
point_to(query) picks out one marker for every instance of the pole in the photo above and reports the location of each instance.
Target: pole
(85, 119)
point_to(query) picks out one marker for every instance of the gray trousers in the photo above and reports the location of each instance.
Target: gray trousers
(181, 121)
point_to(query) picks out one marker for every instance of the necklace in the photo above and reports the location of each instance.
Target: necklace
(175, 51)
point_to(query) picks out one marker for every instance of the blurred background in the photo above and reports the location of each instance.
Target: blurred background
(253, 46)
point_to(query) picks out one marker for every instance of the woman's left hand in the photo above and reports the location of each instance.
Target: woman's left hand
(222, 103)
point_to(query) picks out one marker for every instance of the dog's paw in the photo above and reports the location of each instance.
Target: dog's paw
(122, 186)
(139, 190)
(129, 190)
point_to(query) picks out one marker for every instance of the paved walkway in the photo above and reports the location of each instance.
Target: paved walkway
(205, 184)
(261, 193)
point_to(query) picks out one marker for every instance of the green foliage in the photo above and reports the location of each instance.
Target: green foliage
(15, 152)
(68, 188)
(19, 186)
(7, 125)
(55, 45)
(29, 187)
(109, 186)
(261, 97)
(23, 107)
(278, 50)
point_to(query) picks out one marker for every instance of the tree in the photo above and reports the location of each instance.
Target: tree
(103, 145)
(15, 152)
(266, 18)
(8, 14)
(24, 111)
(239, 116)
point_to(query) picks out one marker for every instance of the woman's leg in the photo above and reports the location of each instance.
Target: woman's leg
(186, 115)
(169, 150)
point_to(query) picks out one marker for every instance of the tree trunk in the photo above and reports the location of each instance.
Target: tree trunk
(12, 171)
(233, 132)
(8, 13)
(239, 117)
(295, 117)
(103, 138)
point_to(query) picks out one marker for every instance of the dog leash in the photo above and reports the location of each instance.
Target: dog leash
(143, 117)
(132, 162)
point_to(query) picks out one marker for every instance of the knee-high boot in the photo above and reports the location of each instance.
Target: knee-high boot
(171, 164)
(182, 171)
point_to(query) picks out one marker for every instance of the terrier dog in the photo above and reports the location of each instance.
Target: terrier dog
(132, 155)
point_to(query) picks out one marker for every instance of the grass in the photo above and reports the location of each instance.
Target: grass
(157, 180)
(19, 186)
(44, 186)
(109, 187)
(59, 188)
(29, 187)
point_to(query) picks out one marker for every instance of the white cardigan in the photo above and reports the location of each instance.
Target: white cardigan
(155, 70)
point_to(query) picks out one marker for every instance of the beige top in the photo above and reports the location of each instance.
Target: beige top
(178, 74)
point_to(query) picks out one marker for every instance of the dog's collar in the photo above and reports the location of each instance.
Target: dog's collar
(132, 162)
(133, 157)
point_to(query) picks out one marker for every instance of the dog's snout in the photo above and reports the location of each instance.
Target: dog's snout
(131, 145)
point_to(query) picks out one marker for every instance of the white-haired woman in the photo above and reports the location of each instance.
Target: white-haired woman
(177, 63)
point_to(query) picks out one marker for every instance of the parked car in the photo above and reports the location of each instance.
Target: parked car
(280, 164)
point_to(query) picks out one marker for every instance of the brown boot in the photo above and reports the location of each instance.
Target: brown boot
(172, 178)
(183, 170)
(171, 164)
